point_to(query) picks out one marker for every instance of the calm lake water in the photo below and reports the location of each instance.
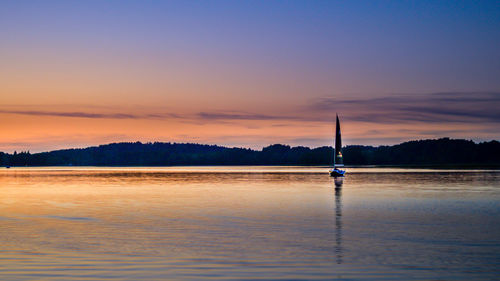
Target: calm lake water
(248, 223)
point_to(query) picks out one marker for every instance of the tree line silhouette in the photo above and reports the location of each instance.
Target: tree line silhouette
(445, 151)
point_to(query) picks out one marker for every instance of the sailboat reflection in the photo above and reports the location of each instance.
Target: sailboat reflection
(339, 181)
(338, 221)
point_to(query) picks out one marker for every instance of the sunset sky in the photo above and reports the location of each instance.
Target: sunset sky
(247, 73)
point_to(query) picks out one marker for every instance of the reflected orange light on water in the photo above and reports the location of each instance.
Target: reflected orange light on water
(67, 223)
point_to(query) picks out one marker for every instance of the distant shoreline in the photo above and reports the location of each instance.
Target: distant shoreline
(430, 167)
(435, 153)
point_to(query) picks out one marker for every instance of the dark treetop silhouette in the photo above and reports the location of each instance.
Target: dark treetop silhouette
(440, 152)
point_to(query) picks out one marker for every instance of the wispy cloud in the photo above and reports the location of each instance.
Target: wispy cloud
(92, 115)
(443, 107)
(402, 108)
(238, 116)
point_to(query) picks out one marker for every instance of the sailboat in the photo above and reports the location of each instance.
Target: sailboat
(337, 159)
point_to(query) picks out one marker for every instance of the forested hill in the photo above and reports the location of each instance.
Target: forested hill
(424, 152)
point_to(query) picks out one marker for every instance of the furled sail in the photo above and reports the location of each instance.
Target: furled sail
(339, 161)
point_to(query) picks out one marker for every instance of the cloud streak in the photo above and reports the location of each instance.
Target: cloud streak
(91, 115)
(242, 116)
(443, 107)
(447, 107)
